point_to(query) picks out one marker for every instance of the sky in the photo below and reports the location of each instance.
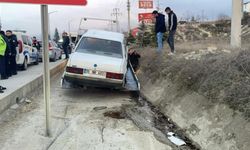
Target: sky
(27, 17)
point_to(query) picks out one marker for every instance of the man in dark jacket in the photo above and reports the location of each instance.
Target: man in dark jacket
(12, 39)
(172, 26)
(133, 57)
(4, 64)
(65, 44)
(160, 29)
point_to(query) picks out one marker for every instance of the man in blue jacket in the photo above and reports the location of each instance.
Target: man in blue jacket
(160, 29)
(172, 26)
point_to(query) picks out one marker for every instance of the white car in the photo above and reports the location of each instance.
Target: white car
(55, 53)
(26, 53)
(99, 60)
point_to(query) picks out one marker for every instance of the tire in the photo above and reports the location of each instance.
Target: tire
(54, 59)
(25, 64)
(60, 56)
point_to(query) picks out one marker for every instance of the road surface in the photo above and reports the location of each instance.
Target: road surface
(78, 123)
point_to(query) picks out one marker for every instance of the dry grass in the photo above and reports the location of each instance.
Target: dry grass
(221, 77)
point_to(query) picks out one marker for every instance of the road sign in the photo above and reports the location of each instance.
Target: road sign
(55, 2)
(146, 4)
(146, 17)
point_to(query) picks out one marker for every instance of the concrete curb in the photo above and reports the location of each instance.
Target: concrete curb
(28, 89)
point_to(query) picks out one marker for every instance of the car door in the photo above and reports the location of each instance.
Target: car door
(32, 51)
(26, 47)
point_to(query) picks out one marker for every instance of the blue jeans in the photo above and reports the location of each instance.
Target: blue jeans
(171, 40)
(160, 42)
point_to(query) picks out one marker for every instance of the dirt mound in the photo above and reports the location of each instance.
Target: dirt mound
(222, 76)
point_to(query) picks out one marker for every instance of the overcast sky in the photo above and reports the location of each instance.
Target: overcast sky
(27, 17)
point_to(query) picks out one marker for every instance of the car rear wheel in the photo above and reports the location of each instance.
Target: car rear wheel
(54, 59)
(60, 56)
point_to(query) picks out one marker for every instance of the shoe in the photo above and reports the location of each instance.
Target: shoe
(1, 91)
(4, 78)
(2, 88)
(14, 73)
(171, 54)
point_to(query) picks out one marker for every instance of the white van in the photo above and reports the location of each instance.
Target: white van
(26, 53)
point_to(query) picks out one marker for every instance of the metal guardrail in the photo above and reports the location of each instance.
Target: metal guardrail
(134, 76)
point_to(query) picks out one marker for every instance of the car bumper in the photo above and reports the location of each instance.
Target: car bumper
(93, 82)
(51, 56)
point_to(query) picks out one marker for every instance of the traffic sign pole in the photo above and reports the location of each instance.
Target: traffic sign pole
(46, 74)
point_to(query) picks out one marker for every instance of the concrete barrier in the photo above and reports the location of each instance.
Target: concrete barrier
(29, 88)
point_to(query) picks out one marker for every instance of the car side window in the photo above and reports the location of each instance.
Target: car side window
(29, 41)
(24, 38)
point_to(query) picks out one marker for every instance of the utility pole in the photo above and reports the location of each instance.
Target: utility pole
(236, 23)
(116, 13)
(129, 24)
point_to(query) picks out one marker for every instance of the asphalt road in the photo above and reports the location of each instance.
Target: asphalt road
(78, 123)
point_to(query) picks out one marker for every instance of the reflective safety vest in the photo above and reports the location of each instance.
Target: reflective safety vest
(3, 46)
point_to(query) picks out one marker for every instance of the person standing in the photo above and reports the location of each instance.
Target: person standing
(172, 26)
(12, 39)
(3, 47)
(65, 44)
(160, 29)
(5, 73)
(36, 44)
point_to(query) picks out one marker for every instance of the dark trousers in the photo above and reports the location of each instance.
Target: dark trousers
(7, 65)
(13, 65)
(171, 40)
(3, 67)
(65, 49)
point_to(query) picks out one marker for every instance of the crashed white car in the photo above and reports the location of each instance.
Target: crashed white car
(99, 60)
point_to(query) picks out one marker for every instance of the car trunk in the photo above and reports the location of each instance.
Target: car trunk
(96, 62)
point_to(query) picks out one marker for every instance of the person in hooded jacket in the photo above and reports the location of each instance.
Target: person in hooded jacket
(172, 26)
(160, 29)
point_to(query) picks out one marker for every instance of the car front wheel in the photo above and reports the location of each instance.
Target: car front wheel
(25, 64)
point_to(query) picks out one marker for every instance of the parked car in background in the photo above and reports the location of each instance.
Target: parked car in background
(26, 53)
(55, 52)
(99, 60)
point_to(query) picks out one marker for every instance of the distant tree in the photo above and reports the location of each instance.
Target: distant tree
(223, 17)
(131, 38)
(56, 36)
(140, 36)
(193, 19)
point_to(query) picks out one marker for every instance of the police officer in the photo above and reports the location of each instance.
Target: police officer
(12, 39)
(3, 47)
(4, 54)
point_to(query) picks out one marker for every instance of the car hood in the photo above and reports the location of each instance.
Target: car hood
(98, 62)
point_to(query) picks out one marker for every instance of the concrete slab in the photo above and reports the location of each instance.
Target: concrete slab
(26, 82)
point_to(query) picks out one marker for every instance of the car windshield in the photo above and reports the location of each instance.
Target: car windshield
(100, 47)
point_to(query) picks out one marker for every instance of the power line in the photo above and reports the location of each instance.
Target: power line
(116, 13)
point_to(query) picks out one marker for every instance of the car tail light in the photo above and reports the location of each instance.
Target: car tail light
(111, 75)
(50, 47)
(20, 46)
(74, 70)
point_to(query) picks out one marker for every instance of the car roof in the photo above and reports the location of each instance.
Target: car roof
(107, 35)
